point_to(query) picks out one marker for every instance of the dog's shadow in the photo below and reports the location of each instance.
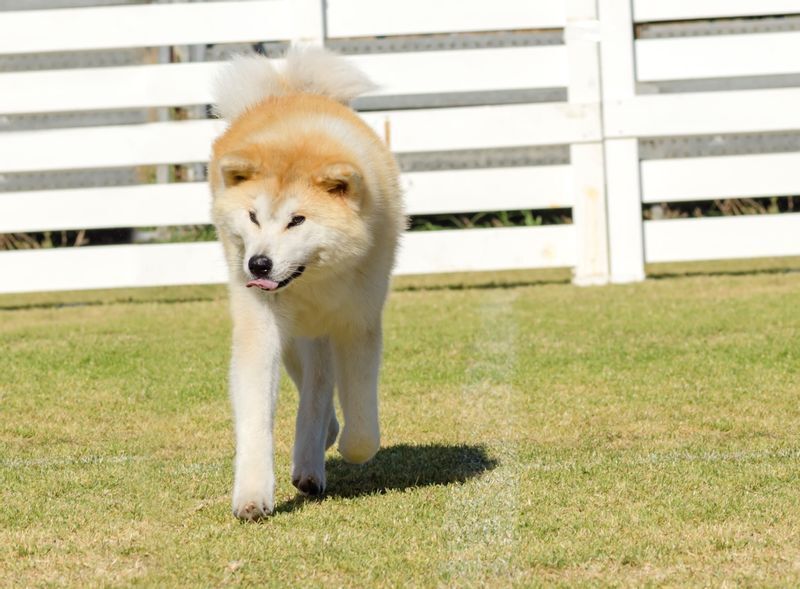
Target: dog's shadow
(399, 467)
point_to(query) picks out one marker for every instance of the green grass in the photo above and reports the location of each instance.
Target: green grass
(535, 434)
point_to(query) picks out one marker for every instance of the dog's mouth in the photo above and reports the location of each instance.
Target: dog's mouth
(272, 285)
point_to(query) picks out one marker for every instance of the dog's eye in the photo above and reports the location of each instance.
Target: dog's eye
(253, 218)
(296, 220)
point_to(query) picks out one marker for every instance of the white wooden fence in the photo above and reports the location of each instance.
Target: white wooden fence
(629, 117)
(605, 183)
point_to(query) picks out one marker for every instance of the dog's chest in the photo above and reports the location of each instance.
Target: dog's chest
(313, 316)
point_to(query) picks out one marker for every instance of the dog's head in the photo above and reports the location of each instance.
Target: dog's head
(289, 209)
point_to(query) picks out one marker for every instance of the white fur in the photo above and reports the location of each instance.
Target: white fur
(250, 79)
(252, 374)
(308, 362)
(317, 71)
(245, 81)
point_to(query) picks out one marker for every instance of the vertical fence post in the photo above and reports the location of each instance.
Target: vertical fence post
(625, 228)
(309, 22)
(587, 166)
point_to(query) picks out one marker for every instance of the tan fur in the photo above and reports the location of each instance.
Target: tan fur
(309, 155)
(289, 161)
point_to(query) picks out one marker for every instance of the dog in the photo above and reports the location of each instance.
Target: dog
(307, 204)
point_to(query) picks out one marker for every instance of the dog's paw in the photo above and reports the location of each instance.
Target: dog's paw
(309, 485)
(309, 476)
(253, 502)
(252, 511)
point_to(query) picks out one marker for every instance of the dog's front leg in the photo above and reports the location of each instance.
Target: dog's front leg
(254, 378)
(357, 356)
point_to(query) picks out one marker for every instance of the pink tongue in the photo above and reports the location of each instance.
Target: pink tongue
(263, 284)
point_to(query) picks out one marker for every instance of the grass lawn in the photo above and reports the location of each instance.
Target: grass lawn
(534, 433)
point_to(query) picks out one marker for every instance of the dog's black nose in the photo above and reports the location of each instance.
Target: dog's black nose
(260, 266)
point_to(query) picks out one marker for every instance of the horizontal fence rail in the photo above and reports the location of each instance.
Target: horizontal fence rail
(154, 25)
(704, 113)
(203, 263)
(184, 84)
(187, 203)
(672, 10)
(694, 58)
(619, 89)
(720, 238)
(405, 130)
(733, 176)
(362, 18)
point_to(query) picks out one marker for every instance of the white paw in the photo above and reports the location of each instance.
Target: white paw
(253, 500)
(359, 447)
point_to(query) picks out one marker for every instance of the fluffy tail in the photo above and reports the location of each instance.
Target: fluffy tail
(249, 79)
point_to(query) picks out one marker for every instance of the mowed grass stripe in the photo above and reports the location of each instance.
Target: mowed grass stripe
(481, 519)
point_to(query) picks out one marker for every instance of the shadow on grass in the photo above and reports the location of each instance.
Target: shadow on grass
(482, 285)
(94, 303)
(399, 467)
(665, 275)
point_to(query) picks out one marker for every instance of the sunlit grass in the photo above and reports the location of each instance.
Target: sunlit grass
(535, 433)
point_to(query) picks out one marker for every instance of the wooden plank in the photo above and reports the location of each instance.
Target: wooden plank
(309, 20)
(203, 263)
(704, 113)
(468, 250)
(718, 56)
(626, 250)
(143, 86)
(590, 214)
(116, 145)
(623, 196)
(736, 176)
(617, 55)
(719, 238)
(190, 141)
(660, 10)
(93, 208)
(470, 70)
(185, 84)
(487, 126)
(367, 18)
(495, 189)
(152, 25)
(492, 189)
(587, 162)
(112, 267)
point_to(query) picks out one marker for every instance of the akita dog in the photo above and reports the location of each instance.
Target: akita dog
(307, 205)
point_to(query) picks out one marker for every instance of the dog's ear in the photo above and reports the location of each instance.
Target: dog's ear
(237, 167)
(340, 180)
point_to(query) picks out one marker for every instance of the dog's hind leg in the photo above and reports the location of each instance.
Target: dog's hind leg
(309, 363)
(357, 357)
(292, 359)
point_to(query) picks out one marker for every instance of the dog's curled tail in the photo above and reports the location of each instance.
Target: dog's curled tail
(250, 79)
